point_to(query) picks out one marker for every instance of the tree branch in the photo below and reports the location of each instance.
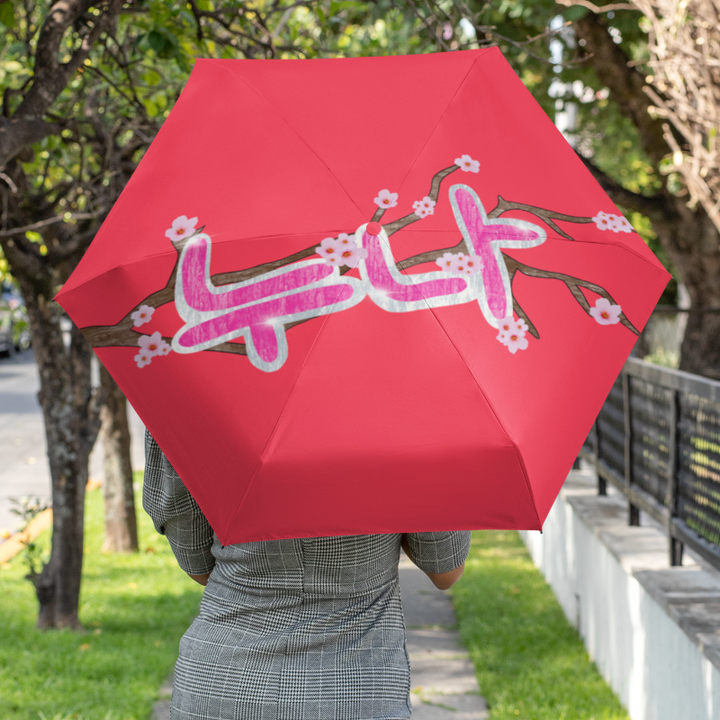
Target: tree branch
(44, 223)
(548, 216)
(624, 82)
(396, 225)
(573, 284)
(51, 77)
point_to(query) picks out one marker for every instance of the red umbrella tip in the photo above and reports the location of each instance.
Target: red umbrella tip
(373, 228)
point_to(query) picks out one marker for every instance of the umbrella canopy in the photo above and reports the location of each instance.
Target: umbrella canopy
(364, 295)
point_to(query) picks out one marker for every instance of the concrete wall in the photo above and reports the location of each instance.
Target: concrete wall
(652, 630)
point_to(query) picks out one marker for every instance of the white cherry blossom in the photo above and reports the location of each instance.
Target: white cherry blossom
(506, 326)
(164, 348)
(342, 250)
(516, 341)
(386, 199)
(467, 164)
(459, 263)
(151, 343)
(424, 207)
(142, 315)
(181, 228)
(471, 264)
(603, 220)
(605, 312)
(329, 250)
(352, 255)
(143, 358)
(609, 221)
(512, 334)
(462, 264)
(622, 225)
(446, 262)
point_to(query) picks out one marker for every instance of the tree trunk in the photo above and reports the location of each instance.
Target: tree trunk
(71, 426)
(120, 519)
(694, 249)
(687, 234)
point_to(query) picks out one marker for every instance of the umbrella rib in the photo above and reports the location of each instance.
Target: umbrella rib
(259, 464)
(432, 132)
(305, 142)
(484, 396)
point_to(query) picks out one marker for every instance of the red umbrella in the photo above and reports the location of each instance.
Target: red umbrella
(364, 295)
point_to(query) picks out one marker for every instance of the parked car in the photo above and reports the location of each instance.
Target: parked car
(14, 329)
(7, 342)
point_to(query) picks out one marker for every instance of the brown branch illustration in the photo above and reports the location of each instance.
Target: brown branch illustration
(547, 216)
(573, 284)
(402, 222)
(122, 333)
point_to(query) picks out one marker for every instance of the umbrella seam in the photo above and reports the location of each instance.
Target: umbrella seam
(518, 455)
(442, 115)
(144, 258)
(259, 464)
(489, 404)
(303, 140)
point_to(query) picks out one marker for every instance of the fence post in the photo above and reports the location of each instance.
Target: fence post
(602, 482)
(676, 547)
(633, 510)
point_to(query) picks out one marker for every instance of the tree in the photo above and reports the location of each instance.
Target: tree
(688, 233)
(120, 518)
(87, 85)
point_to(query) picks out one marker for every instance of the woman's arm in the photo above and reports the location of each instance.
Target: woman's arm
(202, 579)
(455, 551)
(176, 515)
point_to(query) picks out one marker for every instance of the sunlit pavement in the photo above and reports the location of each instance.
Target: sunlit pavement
(23, 451)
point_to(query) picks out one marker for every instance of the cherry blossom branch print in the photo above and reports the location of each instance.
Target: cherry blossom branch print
(249, 311)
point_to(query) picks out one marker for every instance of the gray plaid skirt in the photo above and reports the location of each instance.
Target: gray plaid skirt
(306, 629)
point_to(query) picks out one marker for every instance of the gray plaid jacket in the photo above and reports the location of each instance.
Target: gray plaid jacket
(307, 629)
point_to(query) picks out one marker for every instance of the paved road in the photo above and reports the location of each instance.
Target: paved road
(23, 451)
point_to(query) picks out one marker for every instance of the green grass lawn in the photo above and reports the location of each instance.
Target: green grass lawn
(134, 608)
(530, 663)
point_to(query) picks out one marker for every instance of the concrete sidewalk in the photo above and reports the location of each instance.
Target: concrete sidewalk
(444, 686)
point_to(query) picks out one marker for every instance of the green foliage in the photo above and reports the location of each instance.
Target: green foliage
(26, 509)
(135, 607)
(530, 662)
(7, 14)
(666, 358)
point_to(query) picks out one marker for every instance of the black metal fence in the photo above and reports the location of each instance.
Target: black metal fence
(657, 439)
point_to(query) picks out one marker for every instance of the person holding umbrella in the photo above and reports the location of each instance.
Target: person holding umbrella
(351, 297)
(295, 628)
